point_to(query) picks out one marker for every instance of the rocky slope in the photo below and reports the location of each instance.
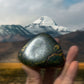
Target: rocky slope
(75, 38)
(9, 50)
(13, 33)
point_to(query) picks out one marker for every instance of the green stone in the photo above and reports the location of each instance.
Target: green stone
(42, 51)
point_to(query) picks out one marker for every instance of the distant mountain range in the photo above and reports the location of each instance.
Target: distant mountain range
(47, 25)
(14, 37)
(9, 50)
(13, 33)
(43, 24)
(74, 38)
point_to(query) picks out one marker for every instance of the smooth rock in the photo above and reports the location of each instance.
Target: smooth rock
(42, 51)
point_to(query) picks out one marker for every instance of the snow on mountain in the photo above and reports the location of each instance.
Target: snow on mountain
(45, 21)
(12, 29)
(36, 29)
(13, 33)
(60, 28)
(42, 25)
(47, 25)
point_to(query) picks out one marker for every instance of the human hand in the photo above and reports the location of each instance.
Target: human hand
(67, 75)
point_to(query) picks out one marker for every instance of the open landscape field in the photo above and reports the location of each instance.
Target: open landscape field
(12, 73)
(19, 65)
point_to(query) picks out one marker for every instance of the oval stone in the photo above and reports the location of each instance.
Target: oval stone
(42, 51)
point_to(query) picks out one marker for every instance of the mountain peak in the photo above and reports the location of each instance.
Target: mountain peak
(45, 21)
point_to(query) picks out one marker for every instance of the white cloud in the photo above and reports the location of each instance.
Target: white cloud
(26, 11)
(74, 14)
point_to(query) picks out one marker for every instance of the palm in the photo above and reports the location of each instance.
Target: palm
(66, 77)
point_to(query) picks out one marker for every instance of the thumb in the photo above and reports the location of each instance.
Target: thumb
(33, 76)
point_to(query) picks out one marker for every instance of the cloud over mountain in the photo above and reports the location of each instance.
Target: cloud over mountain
(65, 12)
(42, 25)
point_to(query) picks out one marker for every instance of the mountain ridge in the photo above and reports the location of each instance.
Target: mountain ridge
(73, 38)
(47, 25)
(9, 50)
(42, 25)
(13, 33)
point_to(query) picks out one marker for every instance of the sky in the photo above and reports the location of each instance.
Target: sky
(69, 13)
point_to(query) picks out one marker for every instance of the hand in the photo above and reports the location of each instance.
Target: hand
(67, 75)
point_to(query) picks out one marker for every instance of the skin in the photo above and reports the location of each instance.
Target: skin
(66, 76)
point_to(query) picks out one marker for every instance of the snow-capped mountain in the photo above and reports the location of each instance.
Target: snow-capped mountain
(36, 29)
(42, 25)
(46, 24)
(45, 21)
(13, 33)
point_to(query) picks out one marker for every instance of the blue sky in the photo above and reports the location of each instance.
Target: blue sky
(70, 2)
(65, 12)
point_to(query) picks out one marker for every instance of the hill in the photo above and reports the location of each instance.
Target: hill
(9, 50)
(74, 38)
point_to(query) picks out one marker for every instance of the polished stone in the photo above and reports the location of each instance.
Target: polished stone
(42, 51)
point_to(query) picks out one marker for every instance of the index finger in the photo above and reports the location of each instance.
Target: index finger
(73, 51)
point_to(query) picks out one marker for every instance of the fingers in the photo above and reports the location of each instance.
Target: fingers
(73, 51)
(33, 75)
(71, 73)
(70, 68)
(70, 57)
